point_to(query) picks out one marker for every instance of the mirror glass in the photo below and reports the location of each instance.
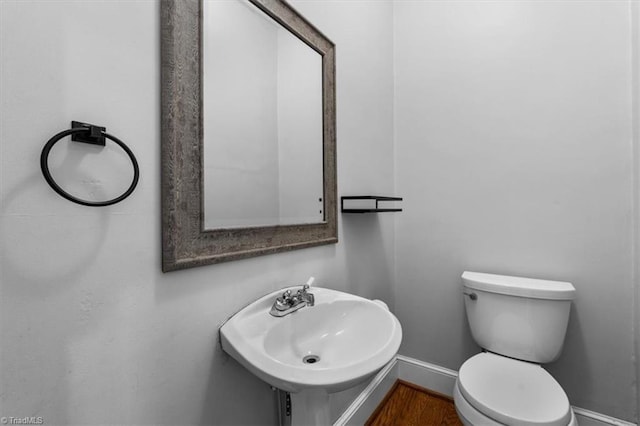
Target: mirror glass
(262, 121)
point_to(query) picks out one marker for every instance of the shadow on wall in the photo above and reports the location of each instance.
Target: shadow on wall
(575, 349)
(20, 257)
(234, 405)
(33, 274)
(365, 246)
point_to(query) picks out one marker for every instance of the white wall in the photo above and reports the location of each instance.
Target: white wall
(514, 155)
(635, 114)
(92, 331)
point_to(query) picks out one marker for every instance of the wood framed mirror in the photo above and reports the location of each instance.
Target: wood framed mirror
(192, 233)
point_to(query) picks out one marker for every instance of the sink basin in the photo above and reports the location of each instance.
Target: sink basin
(340, 341)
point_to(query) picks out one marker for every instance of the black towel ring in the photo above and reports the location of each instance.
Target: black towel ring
(96, 135)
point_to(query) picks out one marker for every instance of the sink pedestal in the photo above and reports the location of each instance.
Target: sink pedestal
(310, 407)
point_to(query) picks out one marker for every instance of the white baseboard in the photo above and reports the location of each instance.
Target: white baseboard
(591, 418)
(363, 406)
(429, 376)
(436, 378)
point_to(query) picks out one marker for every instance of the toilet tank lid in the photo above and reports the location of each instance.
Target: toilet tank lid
(519, 286)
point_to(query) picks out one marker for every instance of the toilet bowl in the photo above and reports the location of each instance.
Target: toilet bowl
(520, 323)
(493, 390)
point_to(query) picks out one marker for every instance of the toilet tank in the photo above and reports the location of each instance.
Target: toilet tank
(522, 318)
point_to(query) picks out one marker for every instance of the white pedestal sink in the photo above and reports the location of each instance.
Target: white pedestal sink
(340, 341)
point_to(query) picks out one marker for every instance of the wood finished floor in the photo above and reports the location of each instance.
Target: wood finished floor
(407, 404)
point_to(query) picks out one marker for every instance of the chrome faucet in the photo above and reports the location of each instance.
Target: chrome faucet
(288, 303)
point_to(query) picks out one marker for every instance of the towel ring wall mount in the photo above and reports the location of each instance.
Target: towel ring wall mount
(91, 134)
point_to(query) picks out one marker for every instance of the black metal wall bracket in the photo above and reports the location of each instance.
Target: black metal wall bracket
(94, 134)
(366, 204)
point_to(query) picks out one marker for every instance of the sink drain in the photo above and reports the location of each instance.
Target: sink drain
(311, 359)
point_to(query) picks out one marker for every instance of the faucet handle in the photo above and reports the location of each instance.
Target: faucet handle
(302, 294)
(308, 284)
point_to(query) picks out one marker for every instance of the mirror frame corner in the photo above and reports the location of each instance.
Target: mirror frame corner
(185, 242)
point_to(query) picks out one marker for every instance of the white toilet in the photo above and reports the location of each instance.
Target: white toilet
(520, 323)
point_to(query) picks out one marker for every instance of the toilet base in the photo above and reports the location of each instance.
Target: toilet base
(472, 417)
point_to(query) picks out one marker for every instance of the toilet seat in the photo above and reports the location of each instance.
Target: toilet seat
(513, 392)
